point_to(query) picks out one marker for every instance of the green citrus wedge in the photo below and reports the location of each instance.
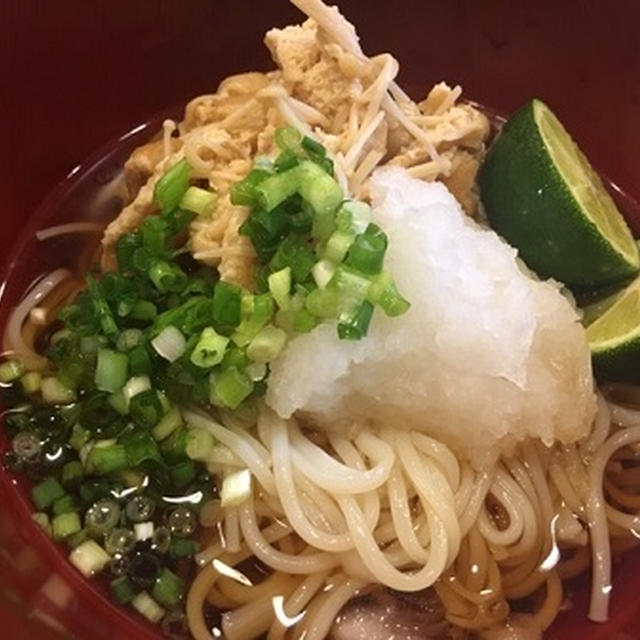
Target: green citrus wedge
(541, 194)
(614, 336)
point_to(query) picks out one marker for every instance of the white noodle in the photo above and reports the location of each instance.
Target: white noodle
(70, 227)
(13, 341)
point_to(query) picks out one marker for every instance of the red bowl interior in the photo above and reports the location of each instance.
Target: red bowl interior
(80, 74)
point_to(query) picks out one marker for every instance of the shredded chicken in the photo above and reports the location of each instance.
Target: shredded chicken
(325, 86)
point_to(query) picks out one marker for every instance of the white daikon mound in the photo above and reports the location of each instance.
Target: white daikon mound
(485, 357)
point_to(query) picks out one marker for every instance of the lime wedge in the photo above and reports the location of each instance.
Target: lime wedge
(541, 194)
(614, 336)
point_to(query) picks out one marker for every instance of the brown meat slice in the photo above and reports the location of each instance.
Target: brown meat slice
(383, 614)
(143, 161)
(128, 220)
(461, 180)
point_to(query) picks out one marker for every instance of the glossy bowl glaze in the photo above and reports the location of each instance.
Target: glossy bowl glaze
(78, 75)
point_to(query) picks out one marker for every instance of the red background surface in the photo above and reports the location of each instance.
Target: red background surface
(76, 74)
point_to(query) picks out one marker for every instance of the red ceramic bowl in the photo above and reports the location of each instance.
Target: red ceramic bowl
(78, 76)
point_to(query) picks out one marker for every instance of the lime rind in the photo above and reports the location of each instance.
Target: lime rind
(584, 185)
(528, 201)
(619, 324)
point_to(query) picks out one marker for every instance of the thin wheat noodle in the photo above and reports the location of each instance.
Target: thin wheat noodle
(239, 445)
(601, 549)
(285, 485)
(265, 552)
(319, 624)
(331, 475)
(69, 228)
(13, 341)
(296, 602)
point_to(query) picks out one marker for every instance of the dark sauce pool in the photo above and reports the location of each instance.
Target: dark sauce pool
(35, 576)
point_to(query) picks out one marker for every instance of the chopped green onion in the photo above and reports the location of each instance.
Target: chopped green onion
(79, 437)
(384, 293)
(102, 516)
(167, 277)
(103, 460)
(236, 489)
(161, 538)
(210, 348)
(266, 230)
(54, 392)
(262, 309)
(122, 590)
(76, 539)
(125, 248)
(89, 345)
(140, 508)
(351, 287)
(294, 252)
(141, 447)
(111, 370)
(284, 319)
(277, 188)
(280, 287)
(227, 301)
(169, 343)
(154, 232)
(139, 361)
(171, 421)
(93, 489)
(46, 493)
(286, 160)
(174, 447)
(119, 402)
(322, 303)
(65, 504)
(199, 201)
(143, 259)
(168, 589)
(267, 344)
(183, 548)
(356, 325)
(244, 192)
(367, 251)
(101, 307)
(11, 370)
(144, 604)
(143, 531)
(354, 217)
(65, 525)
(143, 310)
(89, 558)
(145, 409)
(338, 245)
(230, 388)
(313, 147)
(318, 188)
(42, 520)
(72, 473)
(199, 444)
(256, 371)
(134, 386)
(119, 541)
(170, 189)
(128, 339)
(303, 321)
(183, 473)
(288, 138)
(31, 382)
